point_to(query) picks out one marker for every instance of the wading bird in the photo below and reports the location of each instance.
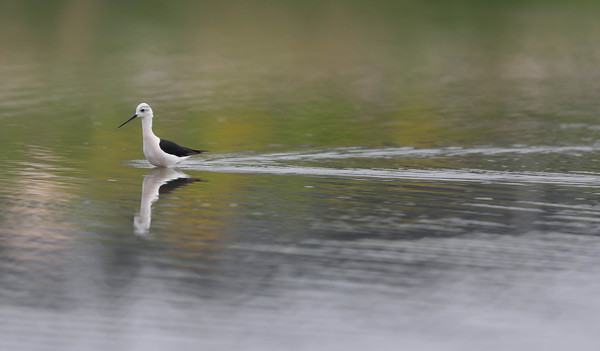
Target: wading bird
(159, 152)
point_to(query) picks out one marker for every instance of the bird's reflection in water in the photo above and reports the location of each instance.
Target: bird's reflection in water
(158, 181)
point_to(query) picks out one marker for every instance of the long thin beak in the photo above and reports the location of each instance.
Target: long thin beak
(127, 121)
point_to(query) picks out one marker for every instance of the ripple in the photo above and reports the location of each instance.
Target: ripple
(355, 152)
(286, 163)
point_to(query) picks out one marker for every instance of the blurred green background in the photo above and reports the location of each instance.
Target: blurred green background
(278, 75)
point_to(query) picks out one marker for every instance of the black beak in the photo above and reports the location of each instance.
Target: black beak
(127, 121)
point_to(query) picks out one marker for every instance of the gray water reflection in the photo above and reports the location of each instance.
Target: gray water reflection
(305, 260)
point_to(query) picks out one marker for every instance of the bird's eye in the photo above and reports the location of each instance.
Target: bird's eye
(143, 110)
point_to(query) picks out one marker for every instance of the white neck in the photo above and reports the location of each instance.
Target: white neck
(147, 126)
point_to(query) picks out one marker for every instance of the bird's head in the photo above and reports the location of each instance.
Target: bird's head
(143, 110)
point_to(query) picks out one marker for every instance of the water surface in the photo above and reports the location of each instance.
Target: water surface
(383, 176)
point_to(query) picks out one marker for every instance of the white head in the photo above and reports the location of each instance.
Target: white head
(143, 110)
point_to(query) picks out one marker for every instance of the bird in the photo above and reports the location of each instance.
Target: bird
(159, 152)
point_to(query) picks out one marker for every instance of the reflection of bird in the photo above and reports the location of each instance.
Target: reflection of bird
(158, 181)
(159, 152)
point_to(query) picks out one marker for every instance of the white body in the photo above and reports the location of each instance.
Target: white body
(152, 150)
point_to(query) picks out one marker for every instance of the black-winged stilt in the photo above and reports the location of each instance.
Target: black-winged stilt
(159, 152)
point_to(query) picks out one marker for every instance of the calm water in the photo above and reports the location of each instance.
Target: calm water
(390, 175)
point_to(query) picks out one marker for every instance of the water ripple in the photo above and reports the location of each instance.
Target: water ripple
(356, 152)
(285, 163)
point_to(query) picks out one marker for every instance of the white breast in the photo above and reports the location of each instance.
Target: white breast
(155, 155)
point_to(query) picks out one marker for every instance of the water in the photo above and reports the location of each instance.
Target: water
(393, 175)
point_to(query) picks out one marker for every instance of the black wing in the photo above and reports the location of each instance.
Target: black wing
(177, 150)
